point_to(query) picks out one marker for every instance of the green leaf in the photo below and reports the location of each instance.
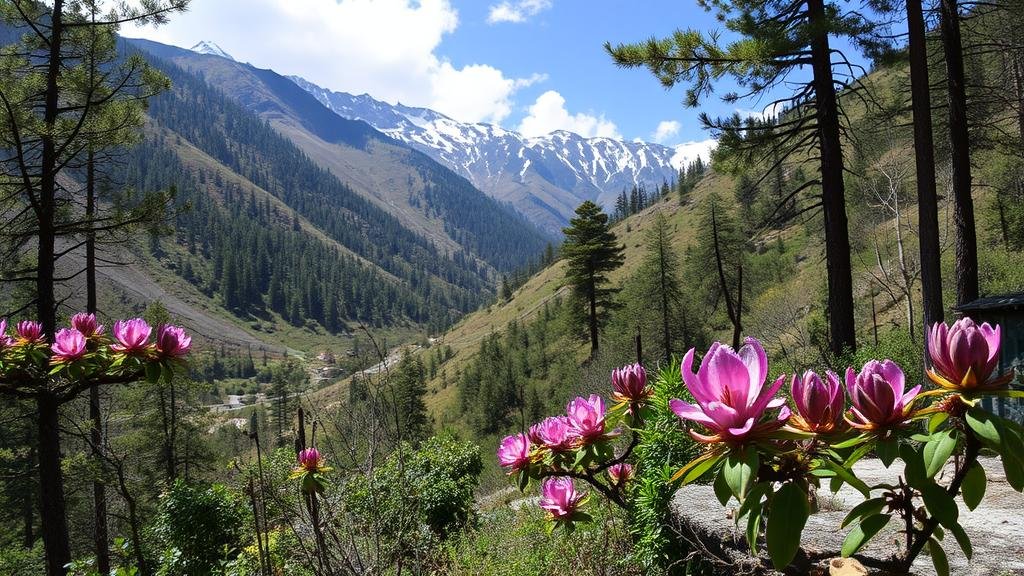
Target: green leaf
(722, 491)
(1012, 454)
(855, 441)
(887, 450)
(699, 470)
(753, 499)
(914, 465)
(1013, 466)
(835, 484)
(523, 480)
(985, 426)
(786, 519)
(865, 508)
(936, 420)
(863, 532)
(973, 487)
(937, 451)
(152, 372)
(754, 527)
(697, 462)
(858, 454)
(739, 470)
(962, 539)
(939, 559)
(848, 477)
(579, 516)
(940, 504)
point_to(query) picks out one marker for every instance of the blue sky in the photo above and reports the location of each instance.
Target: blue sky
(528, 65)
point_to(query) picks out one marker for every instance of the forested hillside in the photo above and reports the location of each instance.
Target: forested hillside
(228, 234)
(424, 196)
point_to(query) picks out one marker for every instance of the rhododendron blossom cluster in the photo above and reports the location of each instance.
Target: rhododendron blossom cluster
(767, 449)
(82, 354)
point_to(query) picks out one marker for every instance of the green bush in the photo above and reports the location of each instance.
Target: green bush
(199, 528)
(515, 543)
(663, 447)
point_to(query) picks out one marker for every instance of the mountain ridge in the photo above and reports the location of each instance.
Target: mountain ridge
(544, 177)
(425, 195)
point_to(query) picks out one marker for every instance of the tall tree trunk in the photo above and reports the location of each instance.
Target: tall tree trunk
(51, 486)
(666, 334)
(592, 294)
(99, 489)
(966, 269)
(51, 480)
(29, 505)
(730, 309)
(924, 158)
(833, 193)
(1018, 83)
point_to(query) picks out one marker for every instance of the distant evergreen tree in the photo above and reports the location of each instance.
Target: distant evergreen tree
(660, 283)
(410, 389)
(592, 251)
(289, 378)
(715, 263)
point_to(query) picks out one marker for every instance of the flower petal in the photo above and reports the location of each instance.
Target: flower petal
(688, 411)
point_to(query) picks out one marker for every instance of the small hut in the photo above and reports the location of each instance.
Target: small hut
(1007, 310)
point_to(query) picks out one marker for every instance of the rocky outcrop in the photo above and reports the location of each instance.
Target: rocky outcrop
(996, 529)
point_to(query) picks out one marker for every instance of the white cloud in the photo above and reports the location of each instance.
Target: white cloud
(688, 151)
(548, 113)
(666, 129)
(516, 12)
(386, 48)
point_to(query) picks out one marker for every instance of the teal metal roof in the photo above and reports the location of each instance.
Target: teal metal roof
(1000, 302)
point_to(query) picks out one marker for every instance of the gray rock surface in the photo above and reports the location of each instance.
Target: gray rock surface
(996, 529)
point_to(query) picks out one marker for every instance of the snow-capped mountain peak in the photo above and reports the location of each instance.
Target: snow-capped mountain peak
(544, 177)
(211, 48)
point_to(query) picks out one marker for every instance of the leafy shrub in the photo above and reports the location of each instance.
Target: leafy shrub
(199, 526)
(662, 443)
(514, 543)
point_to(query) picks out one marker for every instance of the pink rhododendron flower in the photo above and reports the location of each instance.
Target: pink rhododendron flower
(310, 460)
(86, 324)
(172, 342)
(514, 452)
(68, 346)
(819, 404)
(560, 498)
(132, 336)
(629, 384)
(556, 433)
(5, 340)
(534, 434)
(731, 395)
(878, 397)
(965, 356)
(30, 331)
(586, 417)
(620, 473)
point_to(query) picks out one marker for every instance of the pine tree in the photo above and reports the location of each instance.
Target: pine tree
(966, 262)
(592, 251)
(410, 389)
(659, 275)
(714, 264)
(48, 126)
(775, 37)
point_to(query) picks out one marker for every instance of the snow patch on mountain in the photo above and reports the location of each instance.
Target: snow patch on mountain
(211, 48)
(560, 168)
